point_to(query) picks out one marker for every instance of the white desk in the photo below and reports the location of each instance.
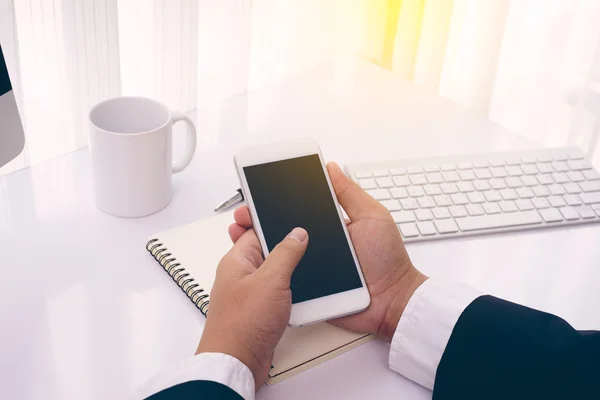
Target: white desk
(87, 314)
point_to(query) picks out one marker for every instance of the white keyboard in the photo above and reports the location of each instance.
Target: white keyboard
(460, 196)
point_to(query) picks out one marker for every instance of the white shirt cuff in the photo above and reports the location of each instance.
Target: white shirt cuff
(425, 328)
(216, 367)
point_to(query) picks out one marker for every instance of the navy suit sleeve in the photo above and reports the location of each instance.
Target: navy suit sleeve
(206, 390)
(501, 350)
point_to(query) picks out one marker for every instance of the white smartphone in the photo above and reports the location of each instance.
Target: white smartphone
(286, 185)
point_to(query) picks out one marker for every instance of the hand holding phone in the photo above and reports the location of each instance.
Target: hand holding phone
(286, 185)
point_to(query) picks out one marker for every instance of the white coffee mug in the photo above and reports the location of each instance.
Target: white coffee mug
(131, 152)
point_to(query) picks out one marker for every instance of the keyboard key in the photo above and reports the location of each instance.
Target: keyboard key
(408, 230)
(416, 191)
(458, 211)
(544, 158)
(426, 202)
(525, 193)
(589, 186)
(450, 176)
(498, 172)
(544, 179)
(561, 157)
(398, 171)
(572, 199)
(560, 177)
(508, 206)
(545, 168)
(585, 212)
(465, 165)
(577, 176)
(556, 201)
(443, 200)
(380, 173)
(578, 165)
(496, 162)
(513, 161)
(448, 167)
(569, 213)
(529, 169)
(514, 170)
(401, 181)
(441, 213)
(467, 175)
(524, 204)
(481, 185)
(497, 183)
(556, 189)
(409, 204)
(424, 215)
(459, 199)
(465, 187)
(432, 190)
(391, 205)
(431, 168)
(491, 208)
(509, 194)
(591, 175)
(445, 226)
(475, 209)
(560, 166)
(362, 174)
(480, 164)
(367, 183)
(529, 160)
(551, 215)
(576, 155)
(573, 188)
(500, 221)
(401, 217)
(492, 195)
(426, 228)
(541, 191)
(379, 194)
(448, 188)
(529, 180)
(513, 182)
(476, 197)
(399, 193)
(590, 198)
(415, 169)
(540, 203)
(418, 179)
(384, 182)
(434, 177)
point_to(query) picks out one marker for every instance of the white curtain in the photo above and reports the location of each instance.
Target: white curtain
(530, 65)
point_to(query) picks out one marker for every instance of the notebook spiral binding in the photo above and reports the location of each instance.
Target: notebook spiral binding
(177, 272)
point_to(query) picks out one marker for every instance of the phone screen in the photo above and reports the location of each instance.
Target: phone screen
(294, 193)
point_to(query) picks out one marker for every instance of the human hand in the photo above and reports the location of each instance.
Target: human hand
(251, 301)
(391, 278)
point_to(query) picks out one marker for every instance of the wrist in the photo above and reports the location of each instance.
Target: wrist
(403, 291)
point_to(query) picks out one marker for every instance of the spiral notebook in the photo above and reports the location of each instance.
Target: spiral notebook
(190, 255)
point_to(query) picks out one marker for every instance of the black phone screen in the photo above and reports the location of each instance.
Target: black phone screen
(294, 193)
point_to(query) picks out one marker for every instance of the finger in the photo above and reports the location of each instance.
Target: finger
(244, 257)
(357, 203)
(235, 231)
(284, 258)
(242, 217)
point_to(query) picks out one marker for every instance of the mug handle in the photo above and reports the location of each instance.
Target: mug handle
(180, 164)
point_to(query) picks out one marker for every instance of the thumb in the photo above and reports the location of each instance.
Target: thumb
(357, 203)
(284, 258)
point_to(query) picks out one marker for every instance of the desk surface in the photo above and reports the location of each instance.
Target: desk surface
(86, 314)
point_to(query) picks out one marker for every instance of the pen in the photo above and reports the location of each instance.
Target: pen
(236, 198)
